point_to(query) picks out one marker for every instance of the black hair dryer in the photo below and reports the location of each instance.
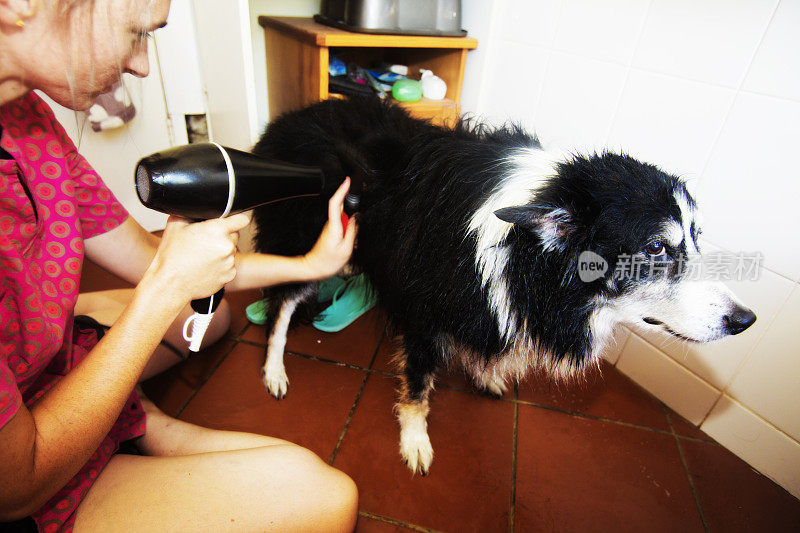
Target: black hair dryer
(205, 180)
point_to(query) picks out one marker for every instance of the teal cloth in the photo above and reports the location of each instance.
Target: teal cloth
(349, 299)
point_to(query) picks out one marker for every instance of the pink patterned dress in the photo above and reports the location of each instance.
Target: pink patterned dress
(50, 202)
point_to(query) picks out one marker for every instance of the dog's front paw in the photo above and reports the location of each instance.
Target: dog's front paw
(276, 381)
(416, 450)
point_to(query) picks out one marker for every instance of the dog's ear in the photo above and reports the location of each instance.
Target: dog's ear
(552, 224)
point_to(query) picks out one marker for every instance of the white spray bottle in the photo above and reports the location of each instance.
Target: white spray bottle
(433, 87)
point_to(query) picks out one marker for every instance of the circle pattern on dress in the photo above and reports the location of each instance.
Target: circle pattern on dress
(41, 239)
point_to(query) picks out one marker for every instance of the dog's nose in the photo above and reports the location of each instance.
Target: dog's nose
(739, 320)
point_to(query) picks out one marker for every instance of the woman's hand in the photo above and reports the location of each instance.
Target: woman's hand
(334, 246)
(197, 259)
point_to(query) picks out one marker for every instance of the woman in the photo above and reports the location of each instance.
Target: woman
(67, 400)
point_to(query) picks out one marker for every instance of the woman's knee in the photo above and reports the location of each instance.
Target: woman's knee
(345, 494)
(332, 496)
(337, 508)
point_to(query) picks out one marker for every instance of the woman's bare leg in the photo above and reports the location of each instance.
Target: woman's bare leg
(271, 488)
(107, 306)
(204, 479)
(167, 436)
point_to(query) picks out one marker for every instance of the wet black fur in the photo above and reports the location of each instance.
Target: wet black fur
(423, 185)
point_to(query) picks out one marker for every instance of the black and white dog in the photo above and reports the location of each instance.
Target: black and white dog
(474, 240)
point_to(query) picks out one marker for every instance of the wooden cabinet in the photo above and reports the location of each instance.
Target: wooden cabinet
(298, 50)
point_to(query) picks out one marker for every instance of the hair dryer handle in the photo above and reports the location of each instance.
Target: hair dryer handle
(208, 305)
(194, 329)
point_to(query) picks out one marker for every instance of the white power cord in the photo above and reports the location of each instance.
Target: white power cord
(198, 323)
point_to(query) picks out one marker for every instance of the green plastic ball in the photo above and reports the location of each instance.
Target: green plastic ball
(406, 90)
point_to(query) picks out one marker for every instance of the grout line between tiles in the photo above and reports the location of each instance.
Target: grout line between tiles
(609, 420)
(355, 402)
(513, 502)
(628, 68)
(739, 89)
(688, 474)
(394, 522)
(244, 330)
(205, 379)
(349, 418)
(571, 413)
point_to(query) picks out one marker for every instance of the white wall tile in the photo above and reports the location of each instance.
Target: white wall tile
(516, 76)
(578, 101)
(716, 362)
(670, 122)
(712, 41)
(769, 381)
(685, 393)
(529, 21)
(775, 69)
(762, 446)
(750, 189)
(602, 30)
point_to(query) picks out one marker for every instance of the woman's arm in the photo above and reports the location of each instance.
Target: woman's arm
(329, 255)
(125, 251)
(42, 448)
(128, 249)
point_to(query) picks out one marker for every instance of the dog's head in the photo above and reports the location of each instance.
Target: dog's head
(629, 233)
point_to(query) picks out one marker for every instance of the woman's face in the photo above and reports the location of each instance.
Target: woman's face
(86, 52)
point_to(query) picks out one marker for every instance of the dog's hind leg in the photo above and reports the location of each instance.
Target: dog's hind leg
(490, 383)
(488, 378)
(278, 319)
(418, 362)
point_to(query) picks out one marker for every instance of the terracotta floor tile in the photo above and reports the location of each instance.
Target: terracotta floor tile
(239, 300)
(170, 390)
(354, 345)
(734, 497)
(468, 487)
(256, 334)
(605, 393)
(312, 414)
(577, 474)
(685, 428)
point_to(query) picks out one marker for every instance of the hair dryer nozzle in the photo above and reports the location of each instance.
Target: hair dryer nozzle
(206, 180)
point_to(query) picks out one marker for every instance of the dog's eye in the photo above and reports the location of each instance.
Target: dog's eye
(655, 249)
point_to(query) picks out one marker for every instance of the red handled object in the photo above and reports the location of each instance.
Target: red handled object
(351, 202)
